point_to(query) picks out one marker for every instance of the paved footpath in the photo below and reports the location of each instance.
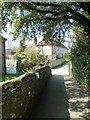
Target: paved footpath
(62, 98)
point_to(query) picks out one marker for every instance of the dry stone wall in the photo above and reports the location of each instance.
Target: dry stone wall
(20, 95)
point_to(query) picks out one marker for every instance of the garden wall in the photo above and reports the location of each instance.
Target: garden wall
(54, 63)
(20, 95)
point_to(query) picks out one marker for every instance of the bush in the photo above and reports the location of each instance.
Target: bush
(81, 69)
(80, 56)
(67, 57)
(30, 60)
(6, 77)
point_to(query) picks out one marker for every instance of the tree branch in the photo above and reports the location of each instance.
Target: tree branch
(45, 4)
(58, 18)
(85, 6)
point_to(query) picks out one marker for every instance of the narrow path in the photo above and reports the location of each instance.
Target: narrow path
(53, 102)
(63, 97)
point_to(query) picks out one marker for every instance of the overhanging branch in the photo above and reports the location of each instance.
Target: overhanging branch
(45, 4)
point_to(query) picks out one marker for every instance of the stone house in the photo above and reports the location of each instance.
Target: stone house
(52, 49)
(2, 55)
(8, 53)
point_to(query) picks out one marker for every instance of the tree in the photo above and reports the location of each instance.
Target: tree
(81, 46)
(40, 14)
(78, 11)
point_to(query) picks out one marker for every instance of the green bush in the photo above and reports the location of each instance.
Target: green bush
(67, 57)
(81, 69)
(6, 77)
(30, 60)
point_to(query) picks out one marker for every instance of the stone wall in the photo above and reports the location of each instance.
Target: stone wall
(54, 63)
(20, 95)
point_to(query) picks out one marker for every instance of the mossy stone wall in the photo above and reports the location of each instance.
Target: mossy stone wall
(20, 95)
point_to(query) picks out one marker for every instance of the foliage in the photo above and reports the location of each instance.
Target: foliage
(80, 56)
(67, 56)
(81, 69)
(9, 76)
(33, 18)
(22, 45)
(68, 59)
(30, 60)
(81, 46)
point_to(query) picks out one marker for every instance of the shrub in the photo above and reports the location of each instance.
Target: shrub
(30, 60)
(6, 77)
(80, 56)
(81, 69)
(67, 57)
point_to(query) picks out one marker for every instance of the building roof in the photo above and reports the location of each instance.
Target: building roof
(63, 46)
(55, 43)
(30, 45)
(3, 37)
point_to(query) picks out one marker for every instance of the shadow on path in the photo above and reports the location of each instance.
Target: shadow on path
(79, 104)
(53, 103)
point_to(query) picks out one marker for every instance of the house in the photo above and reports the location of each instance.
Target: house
(30, 47)
(8, 53)
(2, 55)
(53, 49)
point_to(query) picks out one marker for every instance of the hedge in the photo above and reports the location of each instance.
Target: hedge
(81, 69)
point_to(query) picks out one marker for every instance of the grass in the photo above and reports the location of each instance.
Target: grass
(8, 77)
